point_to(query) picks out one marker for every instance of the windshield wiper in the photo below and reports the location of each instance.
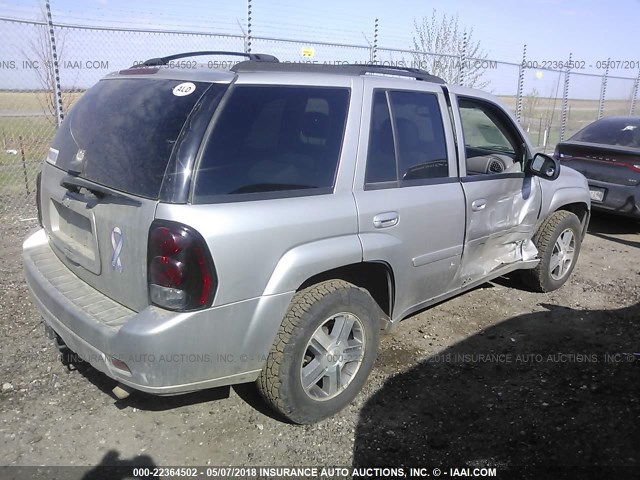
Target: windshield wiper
(75, 184)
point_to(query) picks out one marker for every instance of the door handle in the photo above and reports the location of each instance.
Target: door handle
(387, 219)
(478, 205)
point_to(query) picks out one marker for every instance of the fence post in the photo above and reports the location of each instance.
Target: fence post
(24, 165)
(374, 51)
(521, 83)
(54, 67)
(463, 59)
(247, 47)
(565, 100)
(603, 91)
(636, 85)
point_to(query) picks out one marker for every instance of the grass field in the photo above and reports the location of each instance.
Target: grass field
(25, 127)
(17, 183)
(24, 141)
(23, 114)
(31, 101)
(25, 134)
(580, 113)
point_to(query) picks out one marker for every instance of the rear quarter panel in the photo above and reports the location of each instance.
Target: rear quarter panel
(266, 247)
(269, 246)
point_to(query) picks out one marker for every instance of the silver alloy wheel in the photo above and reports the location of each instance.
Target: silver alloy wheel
(333, 356)
(563, 254)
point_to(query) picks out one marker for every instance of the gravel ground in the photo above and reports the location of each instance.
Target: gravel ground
(496, 376)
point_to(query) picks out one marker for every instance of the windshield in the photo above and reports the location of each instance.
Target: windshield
(122, 131)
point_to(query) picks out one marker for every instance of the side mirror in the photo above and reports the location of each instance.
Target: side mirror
(544, 166)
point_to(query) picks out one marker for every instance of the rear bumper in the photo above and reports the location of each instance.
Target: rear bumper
(166, 352)
(618, 199)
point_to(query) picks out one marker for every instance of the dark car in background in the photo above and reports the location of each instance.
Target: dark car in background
(607, 152)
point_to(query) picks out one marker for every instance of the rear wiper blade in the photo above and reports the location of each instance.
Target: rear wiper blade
(74, 184)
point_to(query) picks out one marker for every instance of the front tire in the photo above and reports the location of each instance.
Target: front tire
(558, 241)
(323, 353)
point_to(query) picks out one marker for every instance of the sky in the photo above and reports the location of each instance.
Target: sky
(592, 31)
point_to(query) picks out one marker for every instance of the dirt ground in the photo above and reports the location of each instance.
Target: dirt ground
(498, 376)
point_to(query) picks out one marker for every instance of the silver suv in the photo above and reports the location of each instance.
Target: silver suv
(265, 223)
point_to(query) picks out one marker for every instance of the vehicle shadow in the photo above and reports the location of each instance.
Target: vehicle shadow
(606, 226)
(155, 403)
(249, 394)
(140, 400)
(554, 388)
(112, 467)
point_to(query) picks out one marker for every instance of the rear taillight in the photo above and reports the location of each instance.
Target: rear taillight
(599, 155)
(180, 271)
(559, 155)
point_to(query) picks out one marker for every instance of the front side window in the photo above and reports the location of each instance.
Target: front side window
(491, 142)
(274, 139)
(406, 139)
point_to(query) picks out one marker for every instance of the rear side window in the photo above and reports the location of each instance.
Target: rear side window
(121, 132)
(406, 140)
(273, 139)
(381, 157)
(422, 150)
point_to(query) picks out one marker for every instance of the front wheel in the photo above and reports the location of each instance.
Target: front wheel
(323, 353)
(558, 241)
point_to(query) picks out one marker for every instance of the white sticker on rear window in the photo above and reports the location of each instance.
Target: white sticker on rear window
(52, 156)
(186, 88)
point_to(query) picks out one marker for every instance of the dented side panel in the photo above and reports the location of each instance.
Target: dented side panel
(501, 218)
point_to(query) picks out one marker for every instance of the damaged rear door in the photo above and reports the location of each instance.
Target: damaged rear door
(503, 204)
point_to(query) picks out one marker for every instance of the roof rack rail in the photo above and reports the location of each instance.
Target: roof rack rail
(255, 57)
(345, 69)
(416, 73)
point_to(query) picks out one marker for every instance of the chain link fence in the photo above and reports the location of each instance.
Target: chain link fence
(26, 124)
(316, 52)
(550, 104)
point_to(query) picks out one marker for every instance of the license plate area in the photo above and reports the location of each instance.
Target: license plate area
(73, 233)
(596, 194)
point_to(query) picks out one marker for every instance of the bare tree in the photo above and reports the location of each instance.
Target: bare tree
(38, 53)
(439, 45)
(530, 104)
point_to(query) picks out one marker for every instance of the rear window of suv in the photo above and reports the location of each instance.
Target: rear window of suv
(273, 141)
(122, 131)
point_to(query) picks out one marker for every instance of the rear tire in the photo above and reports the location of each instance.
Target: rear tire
(558, 241)
(323, 353)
